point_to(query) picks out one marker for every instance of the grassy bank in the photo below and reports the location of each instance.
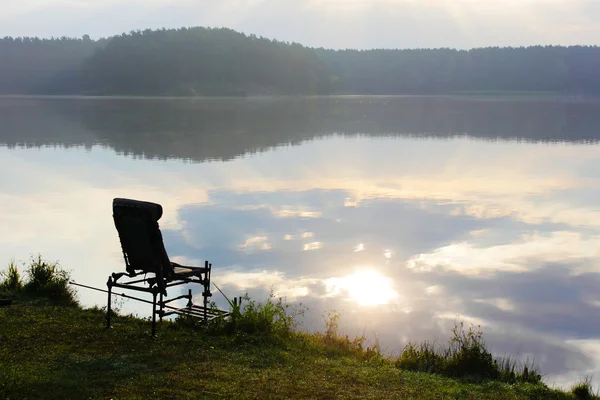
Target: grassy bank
(52, 348)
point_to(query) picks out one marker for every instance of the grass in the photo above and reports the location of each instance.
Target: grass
(583, 390)
(273, 319)
(51, 350)
(45, 280)
(465, 356)
(11, 283)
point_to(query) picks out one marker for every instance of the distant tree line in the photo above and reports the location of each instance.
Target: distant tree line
(44, 66)
(219, 61)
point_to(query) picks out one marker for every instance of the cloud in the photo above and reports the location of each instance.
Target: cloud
(266, 281)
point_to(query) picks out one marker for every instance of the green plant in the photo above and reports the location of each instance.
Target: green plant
(465, 356)
(422, 357)
(512, 371)
(273, 319)
(11, 283)
(50, 281)
(337, 344)
(583, 390)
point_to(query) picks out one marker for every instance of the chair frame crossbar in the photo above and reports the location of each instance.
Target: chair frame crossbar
(159, 299)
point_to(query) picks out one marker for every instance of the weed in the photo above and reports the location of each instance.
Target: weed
(11, 283)
(422, 357)
(274, 317)
(583, 390)
(465, 356)
(337, 344)
(44, 280)
(273, 320)
(511, 370)
(117, 303)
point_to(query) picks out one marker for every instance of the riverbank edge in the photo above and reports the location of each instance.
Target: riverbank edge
(50, 351)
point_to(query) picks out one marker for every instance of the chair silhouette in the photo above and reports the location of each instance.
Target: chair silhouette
(145, 254)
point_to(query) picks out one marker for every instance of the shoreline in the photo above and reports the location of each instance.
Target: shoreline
(67, 351)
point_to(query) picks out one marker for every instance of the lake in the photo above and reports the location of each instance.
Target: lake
(405, 214)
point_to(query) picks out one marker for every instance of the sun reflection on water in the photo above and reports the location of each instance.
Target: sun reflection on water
(367, 288)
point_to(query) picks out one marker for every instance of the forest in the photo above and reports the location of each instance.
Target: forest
(222, 62)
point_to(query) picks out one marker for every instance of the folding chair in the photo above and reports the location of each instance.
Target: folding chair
(145, 254)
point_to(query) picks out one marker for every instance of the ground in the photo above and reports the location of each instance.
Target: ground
(65, 352)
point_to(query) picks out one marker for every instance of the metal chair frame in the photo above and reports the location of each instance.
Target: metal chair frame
(160, 280)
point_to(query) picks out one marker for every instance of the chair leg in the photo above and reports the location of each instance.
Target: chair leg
(154, 314)
(205, 305)
(108, 310)
(160, 305)
(206, 289)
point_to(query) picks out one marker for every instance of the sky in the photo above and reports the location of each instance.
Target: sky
(323, 23)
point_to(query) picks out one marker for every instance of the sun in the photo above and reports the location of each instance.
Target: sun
(367, 288)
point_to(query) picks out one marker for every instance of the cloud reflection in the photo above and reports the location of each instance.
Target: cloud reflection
(282, 286)
(469, 258)
(313, 246)
(256, 243)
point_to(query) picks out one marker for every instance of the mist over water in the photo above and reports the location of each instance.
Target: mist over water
(404, 213)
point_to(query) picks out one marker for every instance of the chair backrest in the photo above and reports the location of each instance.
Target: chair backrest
(141, 240)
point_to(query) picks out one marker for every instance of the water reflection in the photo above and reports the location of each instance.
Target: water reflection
(222, 129)
(378, 209)
(366, 287)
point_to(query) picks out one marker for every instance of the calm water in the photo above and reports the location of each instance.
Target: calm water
(405, 214)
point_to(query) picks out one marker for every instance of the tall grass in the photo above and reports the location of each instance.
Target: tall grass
(43, 280)
(583, 390)
(272, 320)
(275, 317)
(11, 280)
(338, 343)
(465, 356)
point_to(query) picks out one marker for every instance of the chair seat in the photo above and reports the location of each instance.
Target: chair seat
(181, 271)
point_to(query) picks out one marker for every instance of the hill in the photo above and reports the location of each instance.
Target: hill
(218, 61)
